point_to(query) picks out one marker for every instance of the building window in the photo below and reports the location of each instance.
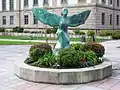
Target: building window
(11, 20)
(35, 21)
(117, 21)
(35, 2)
(4, 20)
(11, 5)
(64, 2)
(45, 2)
(103, 1)
(25, 3)
(103, 19)
(118, 3)
(26, 19)
(111, 1)
(110, 19)
(3, 5)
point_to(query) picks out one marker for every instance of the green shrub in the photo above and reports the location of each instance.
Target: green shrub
(116, 35)
(45, 46)
(67, 58)
(54, 30)
(97, 48)
(105, 32)
(47, 61)
(29, 61)
(26, 31)
(71, 58)
(76, 32)
(39, 50)
(35, 54)
(2, 29)
(91, 33)
(91, 46)
(91, 58)
(81, 33)
(34, 32)
(75, 46)
(82, 47)
(48, 31)
(77, 56)
(18, 29)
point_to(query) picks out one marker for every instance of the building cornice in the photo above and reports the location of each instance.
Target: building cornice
(75, 6)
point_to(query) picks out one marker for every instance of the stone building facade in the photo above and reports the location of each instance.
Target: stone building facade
(105, 14)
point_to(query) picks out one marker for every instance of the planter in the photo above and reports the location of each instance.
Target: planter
(64, 76)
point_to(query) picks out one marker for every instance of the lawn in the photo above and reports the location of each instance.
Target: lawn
(17, 43)
(26, 38)
(42, 38)
(88, 40)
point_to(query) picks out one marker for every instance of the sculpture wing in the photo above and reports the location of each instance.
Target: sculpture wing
(46, 17)
(78, 19)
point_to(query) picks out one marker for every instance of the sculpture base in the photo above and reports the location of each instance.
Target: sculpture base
(64, 76)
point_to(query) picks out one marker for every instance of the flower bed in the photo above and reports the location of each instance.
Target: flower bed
(77, 56)
(81, 63)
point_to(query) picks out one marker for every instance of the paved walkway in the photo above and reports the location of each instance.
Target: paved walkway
(12, 53)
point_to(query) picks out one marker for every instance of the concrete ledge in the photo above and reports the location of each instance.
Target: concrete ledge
(64, 76)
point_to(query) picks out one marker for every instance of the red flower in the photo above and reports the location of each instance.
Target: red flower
(83, 59)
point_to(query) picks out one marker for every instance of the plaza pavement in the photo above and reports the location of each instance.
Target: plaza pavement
(9, 54)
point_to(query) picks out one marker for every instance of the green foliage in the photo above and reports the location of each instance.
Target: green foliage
(76, 32)
(54, 30)
(26, 31)
(38, 50)
(91, 58)
(45, 47)
(82, 47)
(81, 33)
(2, 29)
(105, 32)
(75, 46)
(77, 56)
(48, 31)
(29, 61)
(71, 58)
(97, 48)
(68, 58)
(47, 61)
(33, 32)
(91, 33)
(18, 29)
(116, 35)
(36, 53)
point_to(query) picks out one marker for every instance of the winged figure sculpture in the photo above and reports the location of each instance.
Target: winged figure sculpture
(63, 22)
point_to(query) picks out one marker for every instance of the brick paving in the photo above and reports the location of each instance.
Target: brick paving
(9, 54)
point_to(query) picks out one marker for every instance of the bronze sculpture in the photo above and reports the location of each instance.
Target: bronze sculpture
(63, 22)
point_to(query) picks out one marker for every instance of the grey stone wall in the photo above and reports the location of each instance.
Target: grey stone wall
(8, 14)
